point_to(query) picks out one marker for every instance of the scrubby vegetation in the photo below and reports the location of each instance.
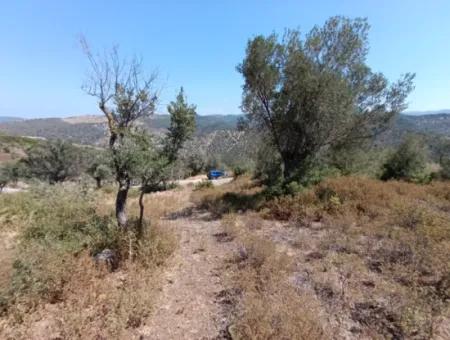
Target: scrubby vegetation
(58, 231)
(267, 305)
(354, 256)
(408, 162)
(240, 195)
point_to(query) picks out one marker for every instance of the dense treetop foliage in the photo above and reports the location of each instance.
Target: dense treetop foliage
(314, 92)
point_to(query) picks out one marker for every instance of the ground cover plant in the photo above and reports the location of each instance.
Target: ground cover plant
(371, 255)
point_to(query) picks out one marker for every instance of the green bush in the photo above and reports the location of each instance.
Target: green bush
(408, 162)
(293, 188)
(9, 173)
(55, 161)
(239, 171)
(56, 224)
(205, 184)
(364, 160)
(444, 173)
(316, 173)
(268, 166)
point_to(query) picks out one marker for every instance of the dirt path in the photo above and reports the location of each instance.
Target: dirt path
(200, 178)
(189, 307)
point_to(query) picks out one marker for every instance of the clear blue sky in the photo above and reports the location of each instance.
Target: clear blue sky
(198, 44)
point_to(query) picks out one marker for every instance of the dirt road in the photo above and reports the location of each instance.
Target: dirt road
(197, 179)
(189, 306)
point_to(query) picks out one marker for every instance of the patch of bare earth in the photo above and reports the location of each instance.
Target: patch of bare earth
(189, 304)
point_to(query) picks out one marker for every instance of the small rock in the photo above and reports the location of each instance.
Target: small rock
(46, 329)
(107, 258)
(313, 255)
(232, 331)
(243, 254)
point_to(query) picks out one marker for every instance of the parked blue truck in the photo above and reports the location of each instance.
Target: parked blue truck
(215, 174)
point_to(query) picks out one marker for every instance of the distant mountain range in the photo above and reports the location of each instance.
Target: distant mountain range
(92, 129)
(6, 119)
(426, 113)
(424, 124)
(438, 123)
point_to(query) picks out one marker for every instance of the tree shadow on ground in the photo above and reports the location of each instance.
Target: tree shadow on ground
(232, 202)
(183, 213)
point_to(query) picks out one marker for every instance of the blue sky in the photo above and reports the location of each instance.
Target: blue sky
(198, 44)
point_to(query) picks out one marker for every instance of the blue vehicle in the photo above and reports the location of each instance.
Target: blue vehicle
(215, 174)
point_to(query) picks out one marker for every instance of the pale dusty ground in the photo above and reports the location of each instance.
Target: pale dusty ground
(8, 190)
(200, 178)
(183, 182)
(189, 307)
(92, 119)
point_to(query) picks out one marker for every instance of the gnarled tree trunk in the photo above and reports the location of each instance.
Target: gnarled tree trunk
(121, 201)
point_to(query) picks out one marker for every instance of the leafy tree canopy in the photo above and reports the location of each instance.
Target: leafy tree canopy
(315, 92)
(55, 161)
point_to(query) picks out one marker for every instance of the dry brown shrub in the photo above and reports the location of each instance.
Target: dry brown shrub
(393, 238)
(269, 306)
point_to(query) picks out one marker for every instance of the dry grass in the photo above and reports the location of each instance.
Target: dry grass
(377, 253)
(56, 290)
(267, 305)
(240, 195)
(371, 257)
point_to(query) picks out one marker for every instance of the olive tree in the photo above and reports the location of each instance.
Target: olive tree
(408, 162)
(55, 161)
(124, 94)
(100, 169)
(152, 160)
(99, 166)
(315, 92)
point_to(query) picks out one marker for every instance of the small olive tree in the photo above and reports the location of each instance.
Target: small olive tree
(100, 170)
(125, 94)
(55, 161)
(5, 177)
(152, 160)
(151, 167)
(315, 92)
